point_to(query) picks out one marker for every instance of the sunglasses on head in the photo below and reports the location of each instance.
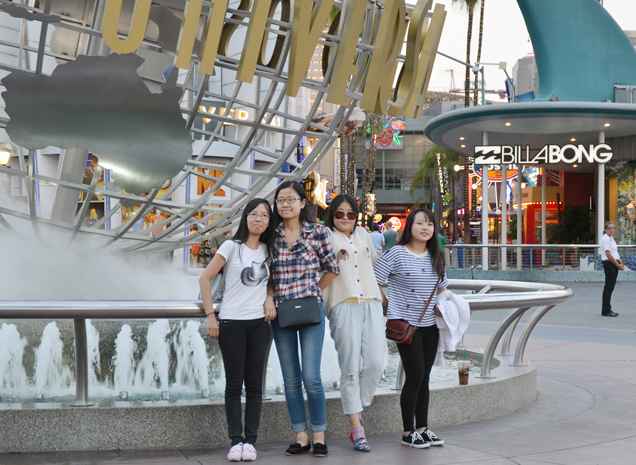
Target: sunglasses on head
(340, 215)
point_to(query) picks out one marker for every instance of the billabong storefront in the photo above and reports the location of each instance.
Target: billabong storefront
(577, 136)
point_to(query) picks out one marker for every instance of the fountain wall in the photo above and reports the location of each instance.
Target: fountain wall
(201, 423)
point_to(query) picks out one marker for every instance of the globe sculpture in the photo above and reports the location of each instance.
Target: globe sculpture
(149, 100)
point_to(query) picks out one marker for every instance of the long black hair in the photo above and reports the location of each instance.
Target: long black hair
(432, 245)
(243, 233)
(335, 203)
(305, 216)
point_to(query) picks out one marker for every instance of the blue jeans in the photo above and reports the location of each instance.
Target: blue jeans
(297, 372)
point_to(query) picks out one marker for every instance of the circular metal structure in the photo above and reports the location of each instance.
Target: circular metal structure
(248, 142)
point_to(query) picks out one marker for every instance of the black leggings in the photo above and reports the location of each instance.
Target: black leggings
(243, 345)
(417, 360)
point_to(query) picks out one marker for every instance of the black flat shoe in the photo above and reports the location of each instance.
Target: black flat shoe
(610, 313)
(320, 450)
(297, 449)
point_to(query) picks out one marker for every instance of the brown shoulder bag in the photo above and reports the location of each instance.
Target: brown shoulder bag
(401, 331)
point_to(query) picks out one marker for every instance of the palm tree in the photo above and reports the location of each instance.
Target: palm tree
(428, 175)
(470, 6)
(481, 36)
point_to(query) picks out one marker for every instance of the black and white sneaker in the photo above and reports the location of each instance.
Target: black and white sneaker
(415, 440)
(431, 438)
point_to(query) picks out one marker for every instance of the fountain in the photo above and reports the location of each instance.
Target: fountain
(162, 401)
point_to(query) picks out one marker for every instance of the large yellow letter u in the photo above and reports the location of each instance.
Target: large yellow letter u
(137, 28)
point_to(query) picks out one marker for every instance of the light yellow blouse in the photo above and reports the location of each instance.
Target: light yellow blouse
(356, 280)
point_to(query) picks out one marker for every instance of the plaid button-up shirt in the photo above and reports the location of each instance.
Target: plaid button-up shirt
(298, 270)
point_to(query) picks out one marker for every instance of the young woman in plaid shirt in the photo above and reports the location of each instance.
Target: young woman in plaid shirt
(304, 265)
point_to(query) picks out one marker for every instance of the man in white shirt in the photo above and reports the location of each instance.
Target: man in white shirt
(611, 265)
(378, 239)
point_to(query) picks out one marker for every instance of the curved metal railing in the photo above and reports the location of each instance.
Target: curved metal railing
(487, 295)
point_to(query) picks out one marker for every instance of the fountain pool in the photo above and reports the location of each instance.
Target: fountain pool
(143, 361)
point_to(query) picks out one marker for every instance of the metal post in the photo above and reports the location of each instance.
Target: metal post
(600, 197)
(544, 226)
(525, 334)
(495, 338)
(504, 217)
(507, 339)
(81, 365)
(519, 217)
(484, 209)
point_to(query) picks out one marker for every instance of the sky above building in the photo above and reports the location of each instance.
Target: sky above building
(505, 39)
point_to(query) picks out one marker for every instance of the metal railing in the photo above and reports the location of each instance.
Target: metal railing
(557, 257)
(487, 295)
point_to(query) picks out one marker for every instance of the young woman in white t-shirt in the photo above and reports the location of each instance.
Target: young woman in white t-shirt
(242, 327)
(354, 306)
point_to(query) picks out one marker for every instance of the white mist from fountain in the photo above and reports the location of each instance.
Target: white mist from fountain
(12, 373)
(52, 376)
(192, 358)
(94, 359)
(124, 360)
(329, 367)
(274, 371)
(154, 365)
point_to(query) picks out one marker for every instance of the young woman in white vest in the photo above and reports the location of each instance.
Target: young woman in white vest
(243, 327)
(413, 268)
(354, 307)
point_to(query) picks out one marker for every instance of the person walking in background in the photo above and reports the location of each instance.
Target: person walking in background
(377, 238)
(304, 265)
(611, 265)
(217, 241)
(390, 237)
(442, 242)
(242, 328)
(415, 272)
(354, 307)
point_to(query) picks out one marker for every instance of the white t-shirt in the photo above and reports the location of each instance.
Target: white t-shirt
(608, 243)
(245, 282)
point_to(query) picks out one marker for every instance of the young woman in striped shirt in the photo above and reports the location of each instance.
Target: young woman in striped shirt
(412, 268)
(304, 265)
(354, 307)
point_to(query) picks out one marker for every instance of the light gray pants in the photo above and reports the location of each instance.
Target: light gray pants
(358, 331)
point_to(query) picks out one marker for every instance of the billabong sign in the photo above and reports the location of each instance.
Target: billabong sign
(549, 154)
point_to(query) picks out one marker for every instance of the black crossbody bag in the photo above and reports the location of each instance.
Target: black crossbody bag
(299, 313)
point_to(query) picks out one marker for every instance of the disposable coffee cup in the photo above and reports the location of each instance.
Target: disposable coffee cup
(463, 366)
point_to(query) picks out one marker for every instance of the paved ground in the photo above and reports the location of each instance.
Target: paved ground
(584, 415)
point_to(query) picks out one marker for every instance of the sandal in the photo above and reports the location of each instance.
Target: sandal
(361, 444)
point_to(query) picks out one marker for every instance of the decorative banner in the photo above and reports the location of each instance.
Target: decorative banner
(388, 139)
(494, 172)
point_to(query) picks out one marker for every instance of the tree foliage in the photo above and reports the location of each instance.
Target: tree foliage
(573, 226)
(427, 173)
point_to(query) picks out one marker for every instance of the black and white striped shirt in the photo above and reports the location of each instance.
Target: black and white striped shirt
(411, 281)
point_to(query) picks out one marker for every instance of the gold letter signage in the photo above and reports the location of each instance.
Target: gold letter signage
(309, 20)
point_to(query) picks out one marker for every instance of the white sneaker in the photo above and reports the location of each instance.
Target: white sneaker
(235, 453)
(249, 453)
